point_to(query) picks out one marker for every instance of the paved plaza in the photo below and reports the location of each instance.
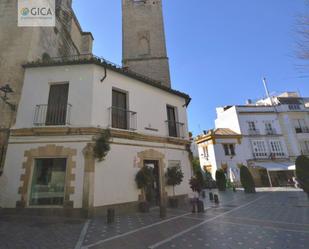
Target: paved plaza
(277, 219)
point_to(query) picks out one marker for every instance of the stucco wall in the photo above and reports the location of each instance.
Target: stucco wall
(115, 177)
(91, 98)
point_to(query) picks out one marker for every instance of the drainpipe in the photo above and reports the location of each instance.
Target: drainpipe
(105, 75)
(269, 178)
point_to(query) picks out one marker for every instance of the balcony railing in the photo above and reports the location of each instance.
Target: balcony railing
(271, 131)
(45, 115)
(175, 129)
(122, 119)
(270, 156)
(253, 132)
(301, 129)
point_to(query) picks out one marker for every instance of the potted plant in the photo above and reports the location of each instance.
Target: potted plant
(174, 177)
(221, 180)
(302, 173)
(102, 146)
(144, 178)
(246, 180)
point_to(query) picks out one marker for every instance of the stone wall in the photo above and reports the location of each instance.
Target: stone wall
(144, 48)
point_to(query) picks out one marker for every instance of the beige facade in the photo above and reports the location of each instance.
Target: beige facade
(144, 48)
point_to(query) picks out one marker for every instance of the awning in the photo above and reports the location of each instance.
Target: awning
(276, 166)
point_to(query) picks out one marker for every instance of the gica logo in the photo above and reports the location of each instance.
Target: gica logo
(25, 11)
(36, 12)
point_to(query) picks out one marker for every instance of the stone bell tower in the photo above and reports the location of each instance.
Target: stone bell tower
(143, 42)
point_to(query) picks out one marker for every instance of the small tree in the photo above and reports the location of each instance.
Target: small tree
(221, 180)
(195, 184)
(143, 179)
(246, 180)
(102, 146)
(174, 177)
(302, 172)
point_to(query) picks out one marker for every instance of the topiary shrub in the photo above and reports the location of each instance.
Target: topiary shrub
(195, 184)
(302, 173)
(221, 180)
(144, 178)
(246, 180)
(209, 182)
(174, 177)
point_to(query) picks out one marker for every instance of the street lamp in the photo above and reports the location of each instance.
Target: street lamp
(6, 89)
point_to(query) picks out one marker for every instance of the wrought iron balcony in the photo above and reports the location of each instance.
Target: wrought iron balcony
(122, 118)
(302, 129)
(175, 129)
(271, 131)
(253, 132)
(55, 115)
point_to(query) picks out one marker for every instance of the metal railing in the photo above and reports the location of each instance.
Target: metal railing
(267, 155)
(254, 132)
(175, 129)
(302, 129)
(45, 115)
(271, 131)
(122, 119)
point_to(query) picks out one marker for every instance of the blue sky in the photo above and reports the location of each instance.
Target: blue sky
(219, 50)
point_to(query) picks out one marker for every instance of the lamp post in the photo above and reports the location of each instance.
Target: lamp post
(6, 89)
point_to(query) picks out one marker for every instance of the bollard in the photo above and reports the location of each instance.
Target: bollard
(193, 203)
(216, 198)
(200, 207)
(211, 196)
(110, 215)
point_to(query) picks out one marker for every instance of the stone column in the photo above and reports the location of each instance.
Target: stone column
(88, 187)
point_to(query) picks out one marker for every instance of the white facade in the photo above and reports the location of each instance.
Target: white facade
(112, 182)
(274, 132)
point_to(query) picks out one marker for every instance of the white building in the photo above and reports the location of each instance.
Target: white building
(274, 132)
(221, 148)
(64, 106)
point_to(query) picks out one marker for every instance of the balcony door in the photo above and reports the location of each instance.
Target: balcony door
(119, 110)
(171, 119)
(57, 104)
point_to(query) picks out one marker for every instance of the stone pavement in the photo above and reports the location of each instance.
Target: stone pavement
(266, 220)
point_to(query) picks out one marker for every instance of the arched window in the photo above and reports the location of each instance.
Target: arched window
(144, 46)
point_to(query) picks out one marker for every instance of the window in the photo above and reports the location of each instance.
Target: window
(300, 126)
(48, 181)
(56, 113)
(251, 126)
(276, 148)
(294, 107)
(229, 149)
(205, 151)
(304, 146)
(269, 129)
(119, 110)
(259, 148)
(171, 121)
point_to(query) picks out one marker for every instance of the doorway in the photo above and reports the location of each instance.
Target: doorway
(153, 190)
